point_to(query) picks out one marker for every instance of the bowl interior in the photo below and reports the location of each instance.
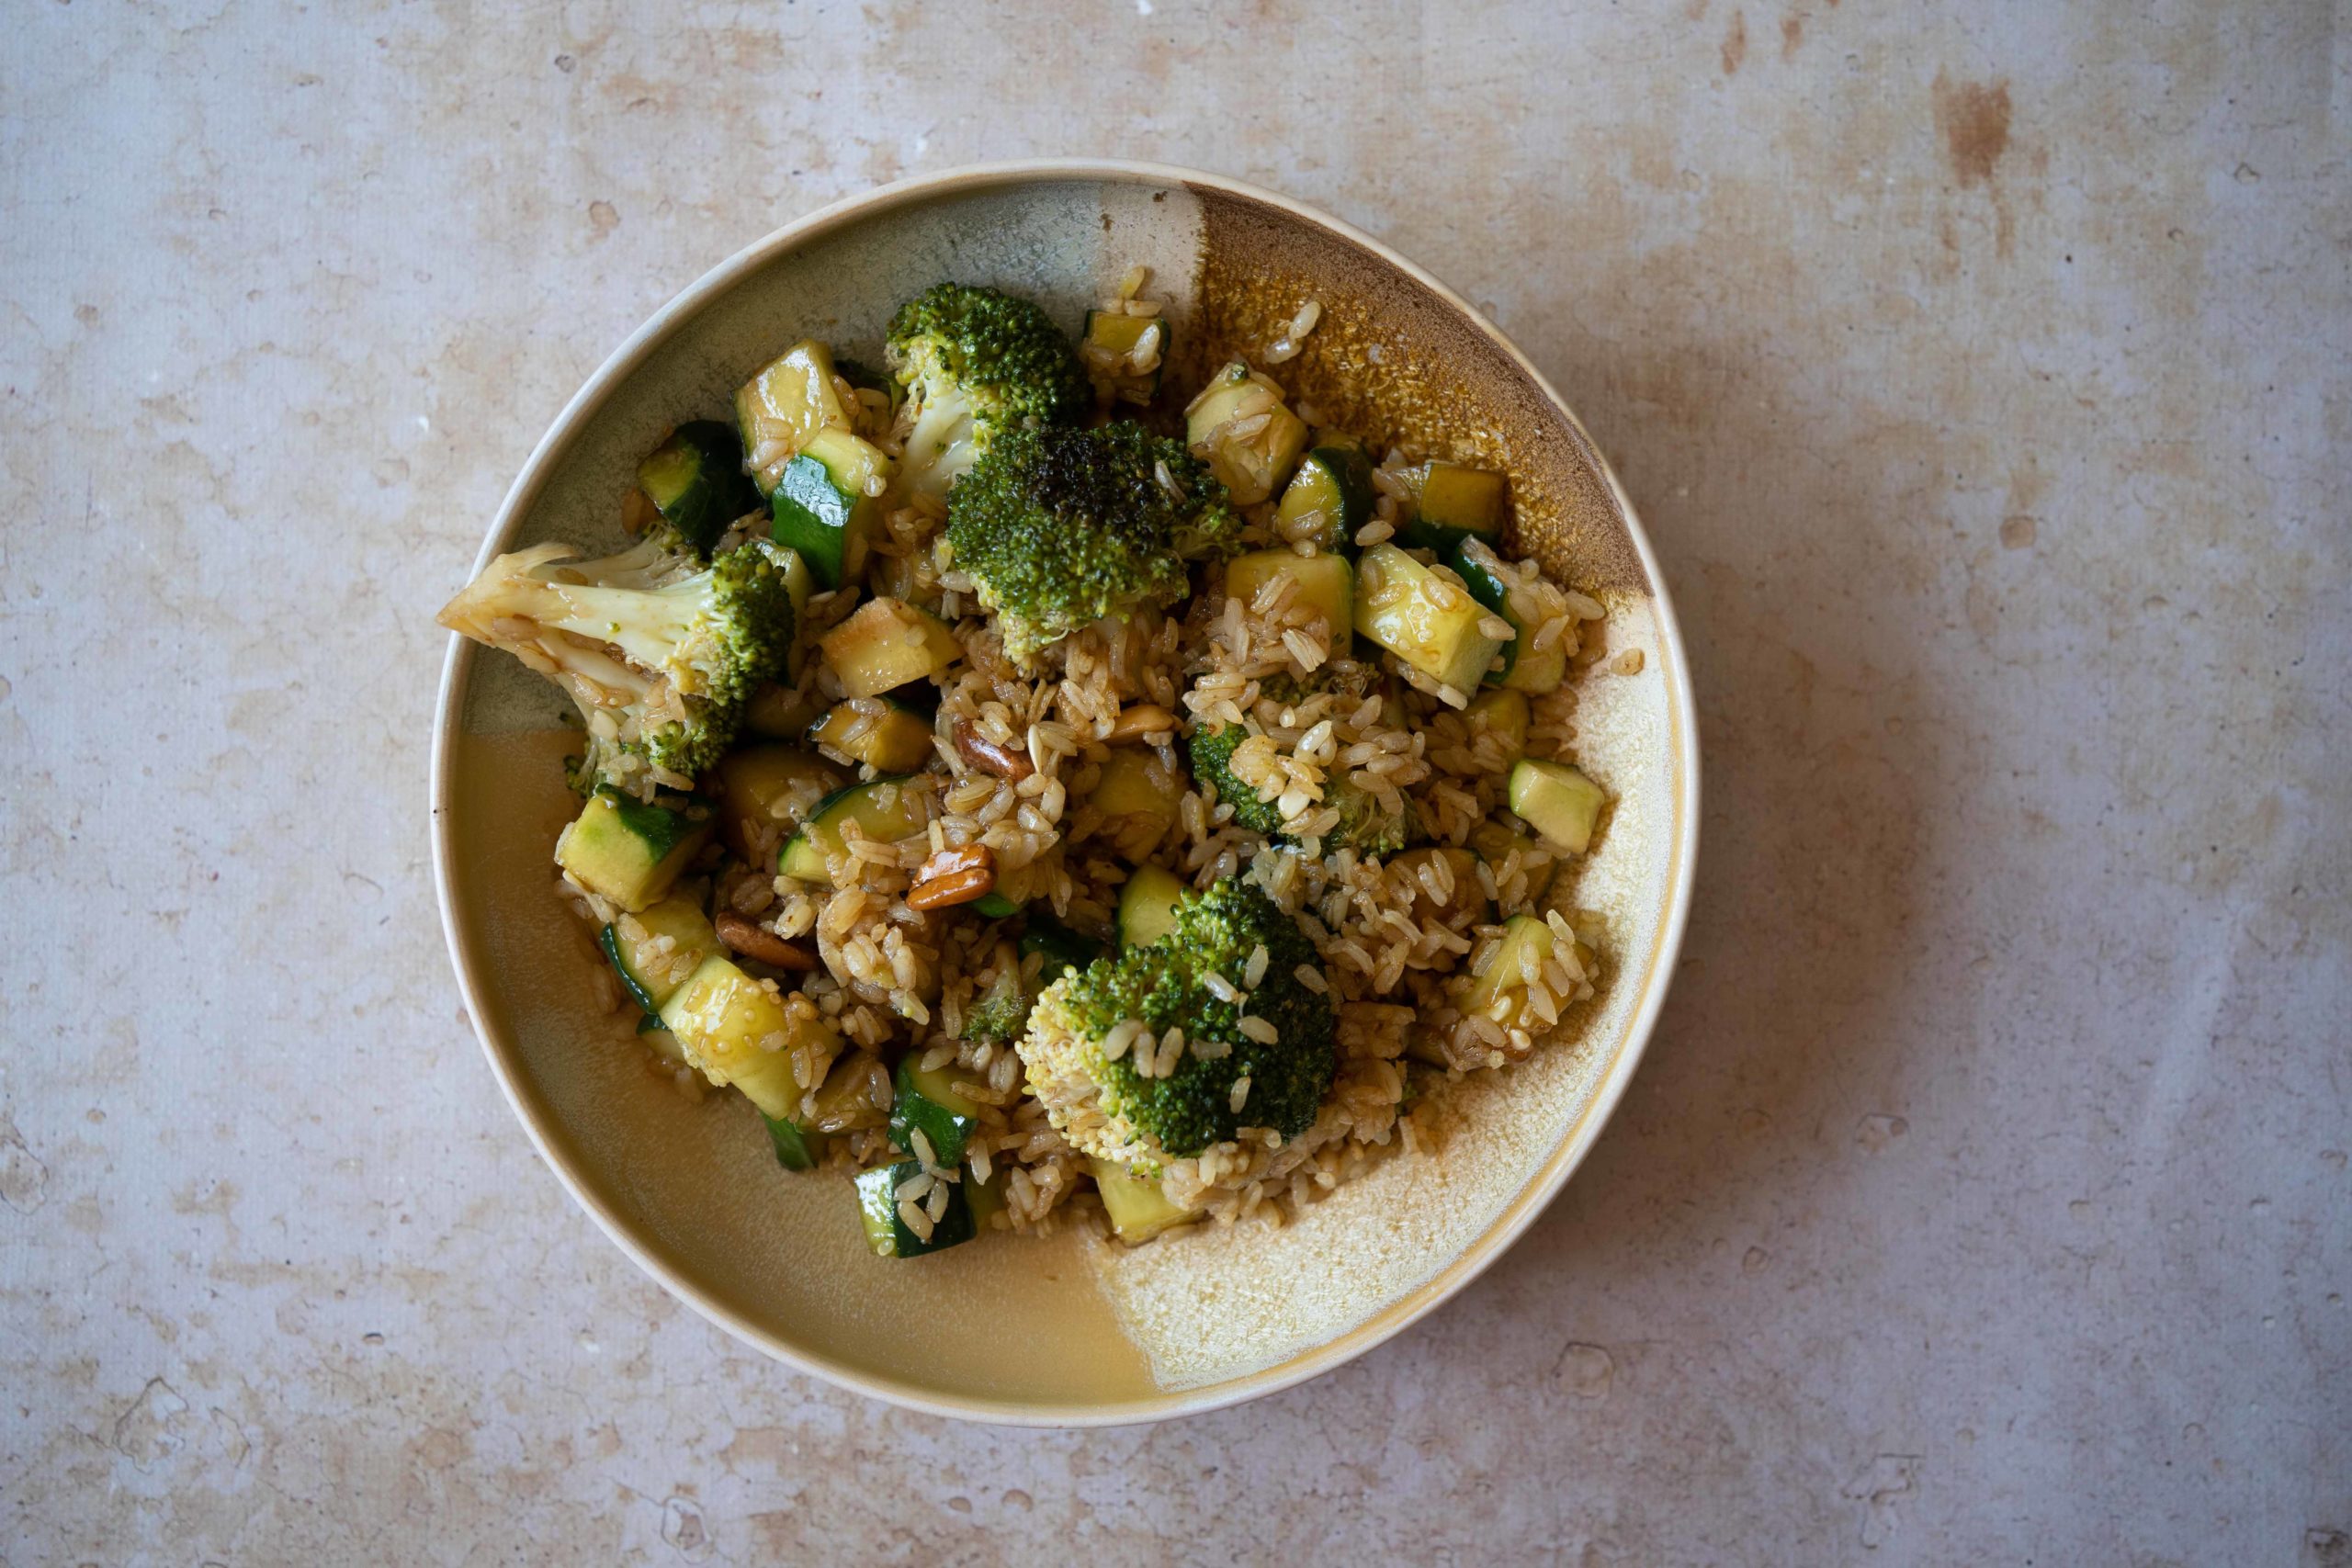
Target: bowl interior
(1064, 1328)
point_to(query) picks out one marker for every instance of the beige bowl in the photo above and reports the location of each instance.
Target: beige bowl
(1065, 1330)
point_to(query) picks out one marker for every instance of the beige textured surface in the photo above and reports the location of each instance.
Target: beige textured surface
(1984, 1196)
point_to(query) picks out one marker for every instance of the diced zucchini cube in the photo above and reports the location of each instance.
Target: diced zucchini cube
(1504, 715)
(1330, 497)
(887, 643)
(823, 505)
(927, 1103)
(1138, 1205)
(1118, 345)
(1557, 801)
(872, 731)
(1148, 906)
(886, 1231)
(656, 950)
(1137, 794)
(1496, 844)
(1325, 583)
(738, 1031)
(883, 809)
(1525, 667)
(1424, 619)
(628, 851)
(695, 481)
(1252, 465)
(1498, 992)
(1452, 503)
(761, 789)
(788, 402)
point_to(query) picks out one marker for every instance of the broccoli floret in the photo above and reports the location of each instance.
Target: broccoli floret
(660, 654)
(1106, 1106)
(1212, 752)
(1001, 1012)
(1364, 825)
(976, 363)
(1059, 529)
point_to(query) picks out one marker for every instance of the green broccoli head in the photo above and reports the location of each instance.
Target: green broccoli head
(1058, 528)
(1001, 1012)
(1364, 825)
(1212, 752)
(977, 364)
(1119, 1106)
(661, 655)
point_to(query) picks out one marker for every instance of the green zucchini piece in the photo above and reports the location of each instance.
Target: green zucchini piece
(1423, 620)
(994, 906)
(1525, 669)
(695, 481)
(1138, 1205)
(896, 740)
(1500, 991)
(926, 1103)
(796, 1148)
(1502, 713)
(1494, 843)
(890, 1234)
(650, 972)
(1330, 497)
(1148, 906)
(824, 503)
(1253, 465)
(1325, 583)
(1064, 949)
(628, 851)
(725, 1018)
(789, 401)
(1465, 906)
(1137, 794)
(1118, 335)
(883, 809)
(757, 786)
(886, 644)
(1454, 502)
(1557, 801)
(778, 712)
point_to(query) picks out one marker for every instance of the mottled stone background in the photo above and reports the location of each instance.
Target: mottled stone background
(1981, 371)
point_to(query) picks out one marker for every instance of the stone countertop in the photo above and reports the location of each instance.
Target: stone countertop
(1981, 372)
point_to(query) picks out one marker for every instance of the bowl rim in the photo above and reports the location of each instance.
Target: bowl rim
(1516, 1217)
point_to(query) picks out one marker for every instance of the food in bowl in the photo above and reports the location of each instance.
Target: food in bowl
(1046, 795)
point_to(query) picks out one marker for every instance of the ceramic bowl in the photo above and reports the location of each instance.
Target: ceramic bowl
(1069, 1329)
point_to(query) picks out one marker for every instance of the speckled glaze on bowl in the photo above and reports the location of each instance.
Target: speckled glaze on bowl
(1065, 1330)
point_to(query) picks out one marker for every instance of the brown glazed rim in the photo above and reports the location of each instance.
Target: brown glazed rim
(1516, 1217)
